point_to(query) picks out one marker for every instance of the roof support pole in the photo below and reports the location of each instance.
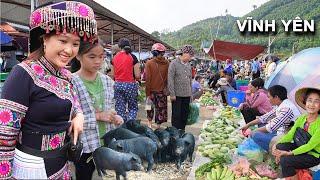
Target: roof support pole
(32, 5)
(112, 28)
(139, 45)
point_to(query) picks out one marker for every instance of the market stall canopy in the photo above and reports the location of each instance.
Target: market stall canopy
(223, 50)
(19, 11)
(8, 29)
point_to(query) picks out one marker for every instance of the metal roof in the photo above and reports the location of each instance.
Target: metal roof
(19, 11)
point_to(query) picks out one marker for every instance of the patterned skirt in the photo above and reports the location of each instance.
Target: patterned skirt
(26, 166)
(159, 109)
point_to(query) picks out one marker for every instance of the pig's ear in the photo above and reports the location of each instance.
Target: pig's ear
(181, 132)
(134, 158)
(119, 147)
(173, 139)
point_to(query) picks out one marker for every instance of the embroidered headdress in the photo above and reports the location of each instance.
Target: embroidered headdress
(69, 16)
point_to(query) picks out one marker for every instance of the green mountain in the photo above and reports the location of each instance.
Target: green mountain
(201, 33)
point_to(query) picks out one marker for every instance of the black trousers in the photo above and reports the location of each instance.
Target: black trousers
(180, 112)
(84, 170)
(256, 75)
(224, 97)
(289, 164)
(249, 114)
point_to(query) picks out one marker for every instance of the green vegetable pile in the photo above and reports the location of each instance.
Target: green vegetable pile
(203, 169)
(207, 100)
(220, 173)
(231, 113)
(220, 138)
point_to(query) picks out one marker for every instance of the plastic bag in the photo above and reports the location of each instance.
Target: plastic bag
(304, 174)
(148, 104)
(240, 167)
(251, 150)
(266, 170)
(193, 116)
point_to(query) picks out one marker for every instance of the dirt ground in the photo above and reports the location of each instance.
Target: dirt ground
(168, 170)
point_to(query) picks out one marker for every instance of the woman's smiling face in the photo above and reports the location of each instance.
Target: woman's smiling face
(313, 103)
(60, 49)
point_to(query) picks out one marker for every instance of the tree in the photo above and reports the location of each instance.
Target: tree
(156, 34)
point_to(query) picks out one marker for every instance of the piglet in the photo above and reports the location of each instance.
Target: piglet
(144, 130)
(144, 147)
(183, 147)
(118, 133)
(164, 138)
(105, 158)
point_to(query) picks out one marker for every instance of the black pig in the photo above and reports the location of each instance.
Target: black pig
(174, 135)
(144, 147)
(174, 132)
(118, 133)
(183, 147)
(105, 158)
(164, 138)
(144, 130)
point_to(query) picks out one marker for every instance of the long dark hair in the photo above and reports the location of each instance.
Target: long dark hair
(125, 44)
(84, 48)
(40, 51)
(258, 83)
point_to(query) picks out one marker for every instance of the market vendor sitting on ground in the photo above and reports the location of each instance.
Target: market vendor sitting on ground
(224, 87)
(197, 90)
(275, 122)
(290, 155)
(230, 79)
(257, 102)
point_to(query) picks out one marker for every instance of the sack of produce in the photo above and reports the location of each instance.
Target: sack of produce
(251, 150)
(193, 116)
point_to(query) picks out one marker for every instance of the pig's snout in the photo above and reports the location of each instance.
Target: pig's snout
(140, 167)
(178, 151)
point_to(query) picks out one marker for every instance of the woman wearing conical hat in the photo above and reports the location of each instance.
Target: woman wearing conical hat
(291, 152)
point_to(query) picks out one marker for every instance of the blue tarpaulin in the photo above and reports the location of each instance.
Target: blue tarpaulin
(5, 38)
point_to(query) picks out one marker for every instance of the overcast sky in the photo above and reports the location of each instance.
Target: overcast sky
(157, 15)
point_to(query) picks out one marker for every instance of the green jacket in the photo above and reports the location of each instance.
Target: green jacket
(314, 131)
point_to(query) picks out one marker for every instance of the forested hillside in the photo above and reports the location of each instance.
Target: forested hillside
(202, 32)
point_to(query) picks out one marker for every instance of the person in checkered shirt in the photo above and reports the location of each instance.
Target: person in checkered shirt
(96, 96)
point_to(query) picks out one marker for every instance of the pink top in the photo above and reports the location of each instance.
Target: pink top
(260, 101)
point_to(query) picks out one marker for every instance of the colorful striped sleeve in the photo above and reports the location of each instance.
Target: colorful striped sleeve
(266, 117)
(13, 107)
(285, 115)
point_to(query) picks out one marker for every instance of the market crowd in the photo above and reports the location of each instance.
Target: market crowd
(48, 115)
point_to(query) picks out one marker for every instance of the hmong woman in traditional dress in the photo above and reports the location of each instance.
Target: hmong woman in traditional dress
(38, 106)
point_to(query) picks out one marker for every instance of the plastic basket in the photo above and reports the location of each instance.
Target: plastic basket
(243, 88)
(241, 83)
(235, 98)
(316, 175)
